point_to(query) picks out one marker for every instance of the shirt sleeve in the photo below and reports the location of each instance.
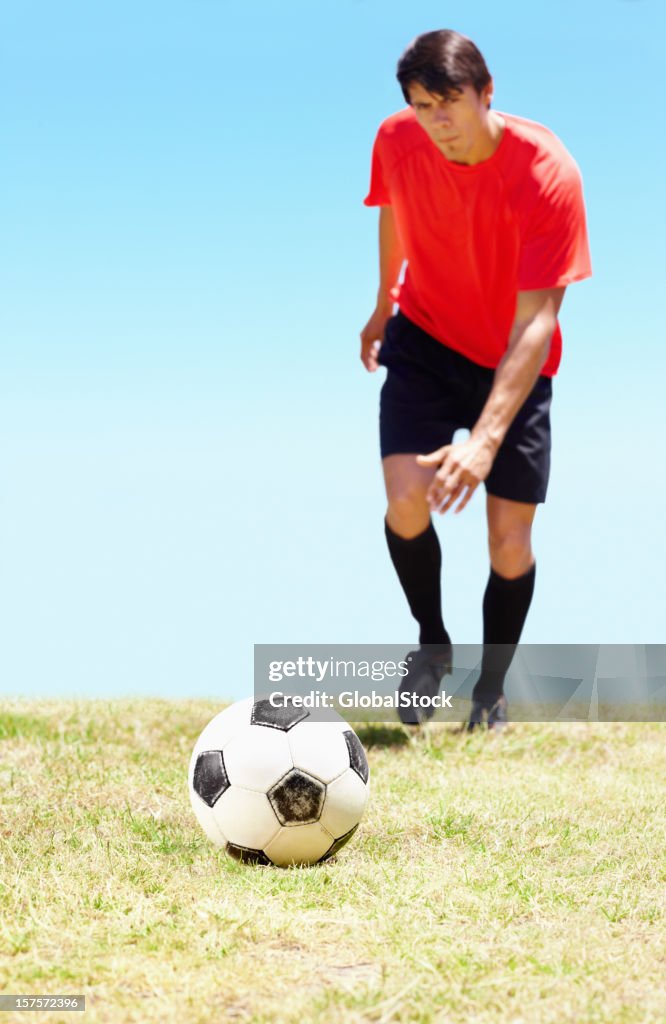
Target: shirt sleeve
(554, 250)
(379, 194)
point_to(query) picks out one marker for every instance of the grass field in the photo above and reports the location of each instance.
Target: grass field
(519, 879)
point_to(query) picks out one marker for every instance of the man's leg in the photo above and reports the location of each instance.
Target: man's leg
(417, 558)
(413, 543)
(508, 595)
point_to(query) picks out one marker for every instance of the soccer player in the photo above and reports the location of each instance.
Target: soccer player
(484, 212)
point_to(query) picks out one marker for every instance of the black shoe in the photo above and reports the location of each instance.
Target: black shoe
(498, 716)
(476, 716)
(427, 666)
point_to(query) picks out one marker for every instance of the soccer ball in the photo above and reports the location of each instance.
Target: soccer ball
(274, 787)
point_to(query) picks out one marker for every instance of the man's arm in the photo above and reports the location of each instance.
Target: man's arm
(463, 466)
(529, 343)
(391, 257)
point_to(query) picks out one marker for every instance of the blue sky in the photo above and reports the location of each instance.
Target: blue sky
(189, 453)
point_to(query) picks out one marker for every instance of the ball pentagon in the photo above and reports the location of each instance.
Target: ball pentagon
(210, 779)
(284, 718)
(298, 798)
(245, 855)
(357, 758)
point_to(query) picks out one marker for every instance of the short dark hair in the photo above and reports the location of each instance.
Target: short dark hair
(442, 62)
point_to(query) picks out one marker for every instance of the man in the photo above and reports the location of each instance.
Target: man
(487, 211)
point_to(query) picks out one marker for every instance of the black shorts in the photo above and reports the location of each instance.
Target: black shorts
(431, 391)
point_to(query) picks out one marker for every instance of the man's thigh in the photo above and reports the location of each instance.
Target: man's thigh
(404, 478)
(506, 516)
(424, 395)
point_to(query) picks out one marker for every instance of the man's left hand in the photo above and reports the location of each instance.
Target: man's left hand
(462, 467)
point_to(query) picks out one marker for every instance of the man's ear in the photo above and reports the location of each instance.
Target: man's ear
(487, 93)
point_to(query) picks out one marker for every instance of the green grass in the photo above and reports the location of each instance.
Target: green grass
(493, 880)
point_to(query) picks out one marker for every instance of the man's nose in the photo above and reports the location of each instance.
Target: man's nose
(441, 117)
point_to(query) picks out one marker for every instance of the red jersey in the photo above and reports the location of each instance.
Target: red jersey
(474, 236)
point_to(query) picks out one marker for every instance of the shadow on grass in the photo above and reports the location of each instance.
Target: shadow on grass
(382, 735)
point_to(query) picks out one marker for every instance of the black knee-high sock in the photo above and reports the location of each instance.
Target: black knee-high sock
(418, 563)
(505, 606)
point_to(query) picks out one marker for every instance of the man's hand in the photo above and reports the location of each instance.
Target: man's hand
(462, 467)
(372, 336)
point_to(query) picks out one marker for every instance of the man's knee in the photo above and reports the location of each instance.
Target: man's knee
(406, 487)
(511, 549)
(406, 495)
(408, 513)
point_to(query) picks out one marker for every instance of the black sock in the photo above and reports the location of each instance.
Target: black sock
(505, 606)
(418, 563)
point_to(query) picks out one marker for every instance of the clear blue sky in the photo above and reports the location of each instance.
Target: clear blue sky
(189, 455)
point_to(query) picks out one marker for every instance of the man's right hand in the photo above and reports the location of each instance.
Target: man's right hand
(372, 336)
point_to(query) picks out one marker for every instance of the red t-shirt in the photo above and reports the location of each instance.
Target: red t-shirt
(474, 236)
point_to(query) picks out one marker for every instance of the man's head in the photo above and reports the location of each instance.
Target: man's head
(445, 80)
(442, 62)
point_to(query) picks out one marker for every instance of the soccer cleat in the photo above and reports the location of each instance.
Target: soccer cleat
(498, 716)
(476, 716)
(427, 666)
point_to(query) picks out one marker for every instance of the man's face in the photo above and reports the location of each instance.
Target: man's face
(457, 124)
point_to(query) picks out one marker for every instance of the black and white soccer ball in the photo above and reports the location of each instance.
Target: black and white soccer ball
(273, 786)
